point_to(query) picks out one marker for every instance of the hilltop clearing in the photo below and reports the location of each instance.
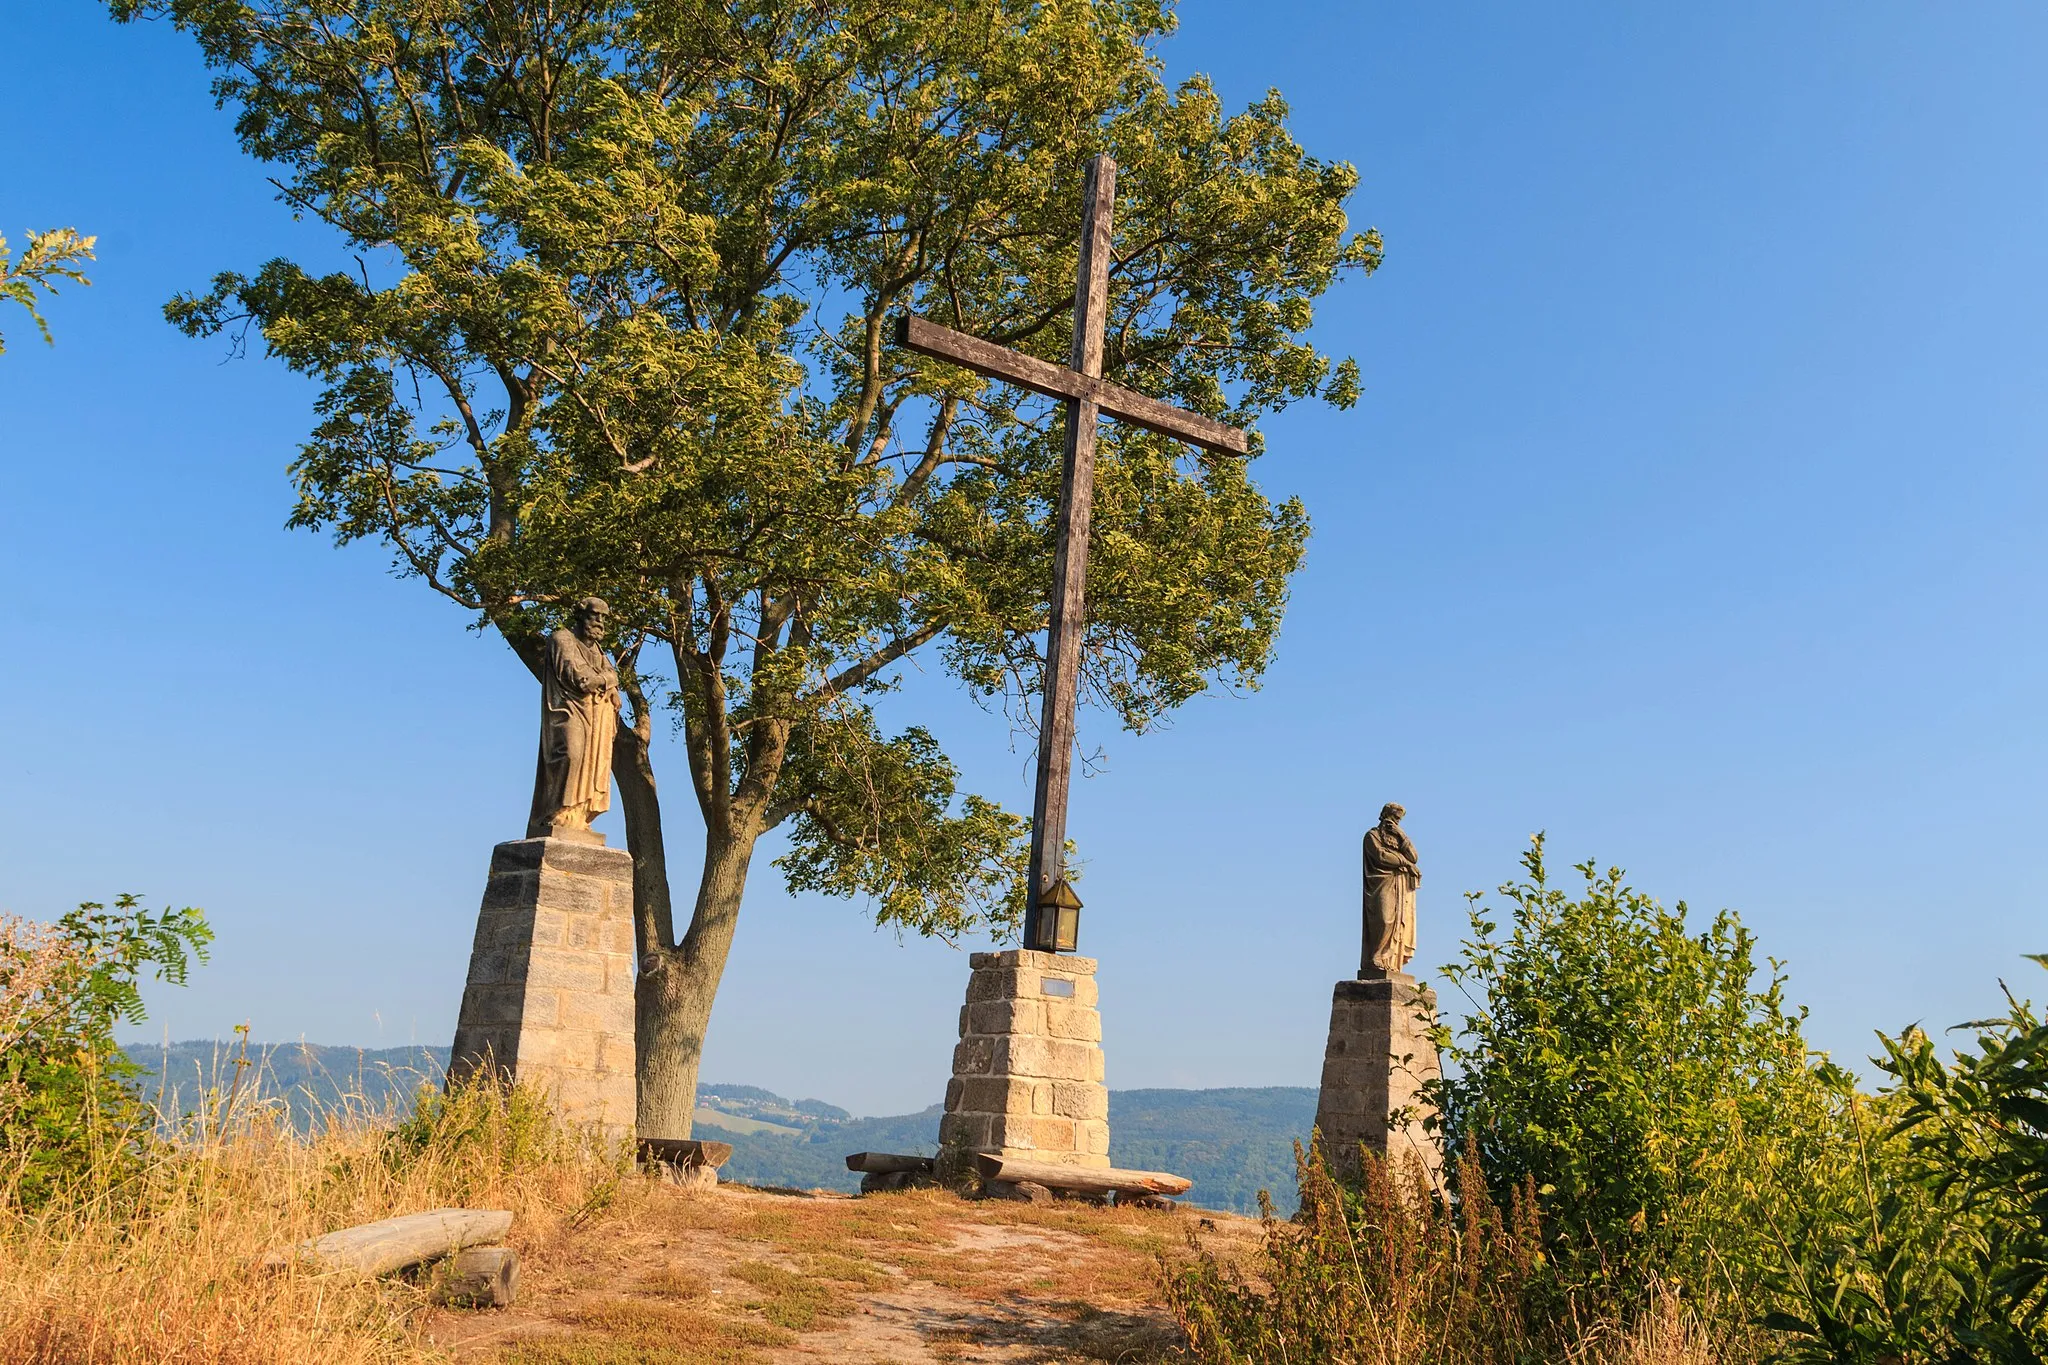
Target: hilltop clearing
(740, 1275)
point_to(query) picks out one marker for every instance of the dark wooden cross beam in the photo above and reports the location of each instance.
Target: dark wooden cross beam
(1089, 398)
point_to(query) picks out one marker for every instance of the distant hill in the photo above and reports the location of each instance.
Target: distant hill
(1231, 1143)
(311, 1079)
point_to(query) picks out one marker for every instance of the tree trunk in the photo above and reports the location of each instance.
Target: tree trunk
(673, 996)
(640, 803)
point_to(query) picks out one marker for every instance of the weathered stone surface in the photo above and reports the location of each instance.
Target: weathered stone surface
(964, 1130)
(1021, 1054)
(996, 983)
(565, 969)
(1007, 1016)
(550, 994)
(1075, 1061)
(1378, 1058)
(1072, 1021)
(1074, 1100)
(997, 1095)
(1027, 1073)
(973, 1056)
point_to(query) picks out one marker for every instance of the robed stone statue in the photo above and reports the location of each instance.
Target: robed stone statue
(1391, 876)
(579, 713)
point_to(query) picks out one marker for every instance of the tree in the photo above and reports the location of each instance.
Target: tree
(51, 256)
(620, 325)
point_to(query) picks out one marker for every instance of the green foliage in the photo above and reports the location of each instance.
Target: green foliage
(68, 1112)
(51, 256)
(1662, 1107)
(1943, 1259)
(622, 330)
(875, 819)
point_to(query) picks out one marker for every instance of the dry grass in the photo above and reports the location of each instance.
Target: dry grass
(616, 1269)
(1380, 1273)
(165, 1269)
(1667, 1333)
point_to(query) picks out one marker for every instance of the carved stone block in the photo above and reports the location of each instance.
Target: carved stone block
(1027, 1074)
(1378, 1058)
(550, 994)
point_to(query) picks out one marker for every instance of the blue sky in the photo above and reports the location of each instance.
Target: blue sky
(1692, 514)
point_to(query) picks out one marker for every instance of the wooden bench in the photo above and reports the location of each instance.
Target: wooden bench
(686, 1161)
(1013, 1178)
(889, 1171)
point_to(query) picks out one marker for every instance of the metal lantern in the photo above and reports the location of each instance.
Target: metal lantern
(1059, 919)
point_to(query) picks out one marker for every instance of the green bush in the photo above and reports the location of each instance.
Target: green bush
(1662, 1105)
(1939, 1255)
(69, 1112)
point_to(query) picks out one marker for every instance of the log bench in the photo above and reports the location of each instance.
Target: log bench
(890, 1171)
(478, 1271)
(1014, 1178)
(686, 1161)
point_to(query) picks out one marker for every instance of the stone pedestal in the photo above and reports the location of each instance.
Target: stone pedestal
(1027, 1075)
(550, 994)
(1378, 1058)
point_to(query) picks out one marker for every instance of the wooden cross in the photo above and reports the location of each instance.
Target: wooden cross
(1088, 399)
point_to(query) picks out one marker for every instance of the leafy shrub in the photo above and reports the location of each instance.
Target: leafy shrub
(68, 1112)
(1940, 1255)
(1632, 1074)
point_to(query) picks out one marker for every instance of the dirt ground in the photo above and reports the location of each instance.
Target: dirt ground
(687, 1277)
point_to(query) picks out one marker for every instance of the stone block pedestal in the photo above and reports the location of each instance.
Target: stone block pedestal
(1378, 1058)
(550, 994)
(1027, 1075)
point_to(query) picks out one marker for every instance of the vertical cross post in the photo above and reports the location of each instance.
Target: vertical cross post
(1070, 553)
(1088, 398)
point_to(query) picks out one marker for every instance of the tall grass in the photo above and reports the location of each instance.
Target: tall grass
(164, 1266)
(1384, 1272)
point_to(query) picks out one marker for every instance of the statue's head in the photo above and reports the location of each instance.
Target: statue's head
(1391, 813)
(592, 616)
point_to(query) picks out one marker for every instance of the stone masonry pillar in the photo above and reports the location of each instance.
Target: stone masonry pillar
(1379, 1056)
(1027, 1075)
(550, 994)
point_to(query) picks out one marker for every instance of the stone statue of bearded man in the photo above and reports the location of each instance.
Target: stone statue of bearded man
(579, 713)
(1391, 876)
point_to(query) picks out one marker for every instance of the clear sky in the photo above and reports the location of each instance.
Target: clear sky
(1693, 513)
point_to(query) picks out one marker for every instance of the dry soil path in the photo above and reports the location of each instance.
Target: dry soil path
(736, 1276)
